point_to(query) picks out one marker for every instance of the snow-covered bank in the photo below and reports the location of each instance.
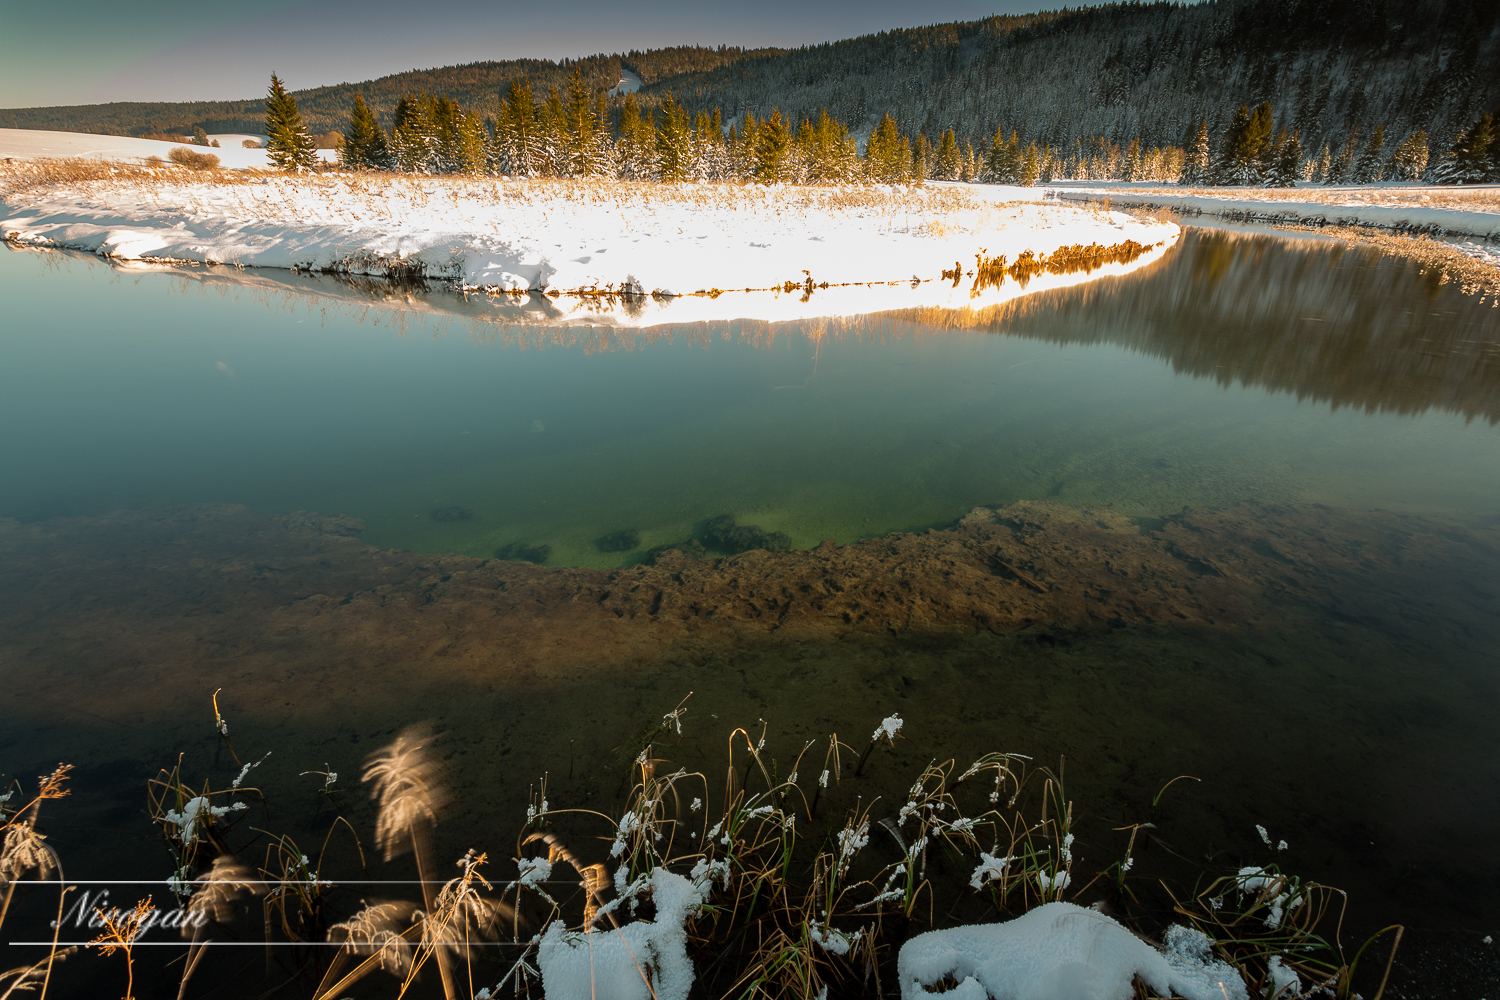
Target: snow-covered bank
(795, 246)
(1403, 208)
(32, 144)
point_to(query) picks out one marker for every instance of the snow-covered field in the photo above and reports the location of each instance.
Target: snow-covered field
(697, 250)
(31, 144)
(1461, 211)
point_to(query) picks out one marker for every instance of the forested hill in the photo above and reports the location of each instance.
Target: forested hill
(1333, 70)
(477, 86)
(1148, 71)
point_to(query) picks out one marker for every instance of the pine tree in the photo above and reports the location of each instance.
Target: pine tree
(1471, 160)
(1324, 168)
(1284, 171)
(949, 163)
(887, 153)
(1370, 167)
(1195, 160)
(580, 129)
(1247, 146)
(674, 142)
(289, 147)
(1341, 167)
(364, 146)
(200, 137)
(1031, 166)
(771, 150)
(637, 145)
(517, 132)
(1133, 160)
(1410, 158)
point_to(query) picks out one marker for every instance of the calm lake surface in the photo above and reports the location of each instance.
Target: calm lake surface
(1240, 369)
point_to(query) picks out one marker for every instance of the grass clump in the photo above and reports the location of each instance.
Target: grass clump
(192, 159)
(773, 877)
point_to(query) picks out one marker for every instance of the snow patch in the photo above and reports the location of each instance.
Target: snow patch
(1058, 952)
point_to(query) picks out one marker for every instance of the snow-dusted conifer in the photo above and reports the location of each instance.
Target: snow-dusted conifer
(288, 145)
(1471, 160)
(771, 150)
(1410, 158)
(1341, 167)
(674, 142)
(200, 137)
(1133, 161)
(518, 132)
(1247, 141)
(949, 163)
(1288, 164)
(1370, 167)
(364, 146)
(885, 160)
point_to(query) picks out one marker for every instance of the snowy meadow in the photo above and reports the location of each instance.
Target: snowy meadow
(577, 237)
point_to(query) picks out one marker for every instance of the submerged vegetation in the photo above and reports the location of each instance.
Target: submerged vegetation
(788, 876)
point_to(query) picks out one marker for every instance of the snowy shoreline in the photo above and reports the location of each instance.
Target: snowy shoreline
(1233, 205)
(736, 251)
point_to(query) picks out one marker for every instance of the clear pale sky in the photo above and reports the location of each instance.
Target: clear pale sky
(94, 51)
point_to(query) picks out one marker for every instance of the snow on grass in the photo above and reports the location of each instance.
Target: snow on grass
(642, 960)
(1469, 211)
(1060, 951)
(32, 144)
(579, 237)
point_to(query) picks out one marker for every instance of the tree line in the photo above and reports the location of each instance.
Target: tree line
(576, 132)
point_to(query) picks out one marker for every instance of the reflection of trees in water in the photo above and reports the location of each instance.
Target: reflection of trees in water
(1326, 322)
(1322, 321)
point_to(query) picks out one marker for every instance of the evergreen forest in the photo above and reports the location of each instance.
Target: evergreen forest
(1223, 92)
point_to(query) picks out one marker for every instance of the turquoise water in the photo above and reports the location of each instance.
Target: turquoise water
(126, 389)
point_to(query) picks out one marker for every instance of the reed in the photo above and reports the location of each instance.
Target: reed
(800, 882)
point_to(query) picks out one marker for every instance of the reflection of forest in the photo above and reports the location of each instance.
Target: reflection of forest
(1321, 320)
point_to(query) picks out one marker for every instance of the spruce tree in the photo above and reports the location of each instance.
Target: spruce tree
(1370, 167)
(1410, 158)
(1133, 160)
(1471, 159)
(288, 147)
(1195, 160)
(887, 153)
(674, 142)
(364, 146)
(517, 137)
(772, 146)
(200, 138)
(949, 161)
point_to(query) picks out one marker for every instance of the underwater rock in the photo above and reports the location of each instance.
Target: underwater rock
(521, 552)
(692, 548)
(722, 533)
(619, 541)
(451, 514)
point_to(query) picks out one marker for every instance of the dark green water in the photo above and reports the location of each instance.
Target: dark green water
(1239, 368)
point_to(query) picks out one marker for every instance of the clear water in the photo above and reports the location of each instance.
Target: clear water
(126, 390)
(1239, 368)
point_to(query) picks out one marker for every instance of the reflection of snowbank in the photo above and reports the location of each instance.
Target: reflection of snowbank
(671, 249)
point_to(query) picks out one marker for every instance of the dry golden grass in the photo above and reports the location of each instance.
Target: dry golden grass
(337, 197)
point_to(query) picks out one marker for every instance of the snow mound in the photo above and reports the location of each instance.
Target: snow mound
(1061, 952)
(643, 960)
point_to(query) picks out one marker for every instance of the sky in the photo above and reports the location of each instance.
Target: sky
(96, 51)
